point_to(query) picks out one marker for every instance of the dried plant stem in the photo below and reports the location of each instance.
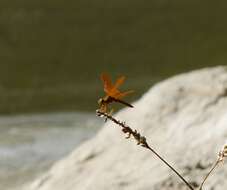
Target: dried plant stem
(141, 140)
(211, 170)
(175, 171)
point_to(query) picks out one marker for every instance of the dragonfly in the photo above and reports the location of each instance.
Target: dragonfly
(113, 94)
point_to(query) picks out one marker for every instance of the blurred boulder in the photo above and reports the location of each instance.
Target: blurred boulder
(183, 118)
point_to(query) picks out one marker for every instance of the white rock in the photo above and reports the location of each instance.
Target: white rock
(184, 118)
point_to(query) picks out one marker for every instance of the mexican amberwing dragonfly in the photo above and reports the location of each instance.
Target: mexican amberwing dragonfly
(112, 92)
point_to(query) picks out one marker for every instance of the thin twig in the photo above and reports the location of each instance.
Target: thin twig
(221, 157)
(171, 167)
(141, 140)
(211, 170)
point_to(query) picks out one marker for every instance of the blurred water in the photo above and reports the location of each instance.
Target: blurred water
(29, 144)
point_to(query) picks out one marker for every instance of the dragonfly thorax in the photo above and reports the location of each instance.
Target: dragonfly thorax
(105, 100)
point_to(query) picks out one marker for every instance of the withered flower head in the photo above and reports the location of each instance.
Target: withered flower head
(223, 153)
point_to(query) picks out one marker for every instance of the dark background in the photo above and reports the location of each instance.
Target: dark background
(53, 51)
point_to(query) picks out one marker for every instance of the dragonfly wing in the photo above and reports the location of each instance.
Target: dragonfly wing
(112, 90)
(120, 95)
(118, 82)
(107, 82)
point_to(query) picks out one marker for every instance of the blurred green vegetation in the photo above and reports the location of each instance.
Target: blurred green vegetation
(53, 51)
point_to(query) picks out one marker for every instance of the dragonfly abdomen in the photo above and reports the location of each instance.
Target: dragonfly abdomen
(122, 102)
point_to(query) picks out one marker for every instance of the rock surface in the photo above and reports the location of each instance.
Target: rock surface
(184, 118)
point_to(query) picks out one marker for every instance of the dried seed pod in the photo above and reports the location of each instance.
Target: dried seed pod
(223, 153)
(225, 150)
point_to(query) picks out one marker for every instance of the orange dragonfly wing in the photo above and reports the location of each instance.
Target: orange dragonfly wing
(112, 90)
(119, 82)
(107, 82)
(120, 95)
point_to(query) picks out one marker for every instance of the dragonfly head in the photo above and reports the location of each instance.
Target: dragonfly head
(104, 100)
(101, 101)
